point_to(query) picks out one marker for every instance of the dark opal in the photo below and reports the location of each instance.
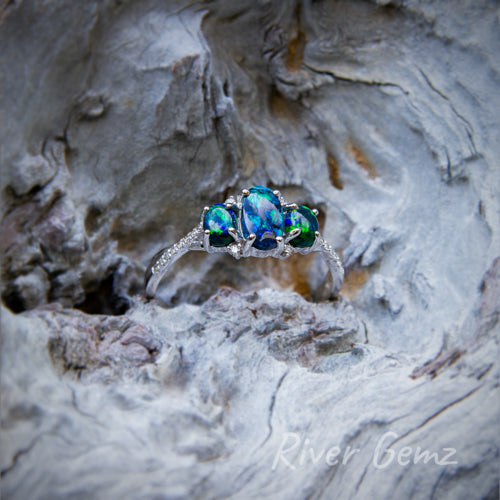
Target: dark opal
(304, 219)
(262, 214)
(218, 220)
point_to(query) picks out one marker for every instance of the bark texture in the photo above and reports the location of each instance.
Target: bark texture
(121, 120)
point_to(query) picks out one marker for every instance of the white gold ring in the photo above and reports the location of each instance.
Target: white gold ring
(258, 223)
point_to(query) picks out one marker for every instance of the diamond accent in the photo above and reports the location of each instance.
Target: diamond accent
(184, 245)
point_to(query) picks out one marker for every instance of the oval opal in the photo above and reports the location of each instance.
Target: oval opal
(262, 214)
(218, 220)
(303, 218)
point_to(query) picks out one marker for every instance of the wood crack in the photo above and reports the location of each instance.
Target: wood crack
(434, 415)
(271, 408)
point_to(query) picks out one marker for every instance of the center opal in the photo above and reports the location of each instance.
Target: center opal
(262, 214)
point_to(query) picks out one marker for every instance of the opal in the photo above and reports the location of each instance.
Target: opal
(218, 220)
(262, 214)
(303, 218)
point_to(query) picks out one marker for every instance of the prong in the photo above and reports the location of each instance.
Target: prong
(293, 234)
(206, 240)
(281, 245)
(293, 206)
(245, 192)
(315, 211)
(234, 234)
(317, 241)
(205, 210)
(228, 205)
(276, 192)
(248, 244)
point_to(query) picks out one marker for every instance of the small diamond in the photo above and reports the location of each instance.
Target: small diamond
(234, 250)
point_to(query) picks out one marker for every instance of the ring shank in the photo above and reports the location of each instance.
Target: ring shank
(334, 265)
(165, 259)
(162, 262)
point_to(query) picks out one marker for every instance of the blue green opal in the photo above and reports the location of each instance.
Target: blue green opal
(303, 218)
(262, 214)
(218, 220)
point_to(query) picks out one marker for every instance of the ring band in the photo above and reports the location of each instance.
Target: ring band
(258, 223)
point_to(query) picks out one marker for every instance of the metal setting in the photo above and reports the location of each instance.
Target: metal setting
(199, 239)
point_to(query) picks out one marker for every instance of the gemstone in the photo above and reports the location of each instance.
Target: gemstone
(262, 214)
(303, 218)
(218, 220)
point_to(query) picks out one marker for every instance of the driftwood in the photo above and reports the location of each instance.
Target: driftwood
(121, 120)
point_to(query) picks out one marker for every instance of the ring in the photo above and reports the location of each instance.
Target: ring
(258, 223)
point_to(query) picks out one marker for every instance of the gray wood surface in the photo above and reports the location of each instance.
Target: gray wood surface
(120, 120)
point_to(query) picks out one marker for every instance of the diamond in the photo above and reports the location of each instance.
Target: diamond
(234, 250)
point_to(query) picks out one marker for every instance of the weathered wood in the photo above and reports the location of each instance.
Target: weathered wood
(121, 120)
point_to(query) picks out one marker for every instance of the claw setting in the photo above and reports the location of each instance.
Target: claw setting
(302, 218)
(262, 215)
(218, 220)
(259, 223)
